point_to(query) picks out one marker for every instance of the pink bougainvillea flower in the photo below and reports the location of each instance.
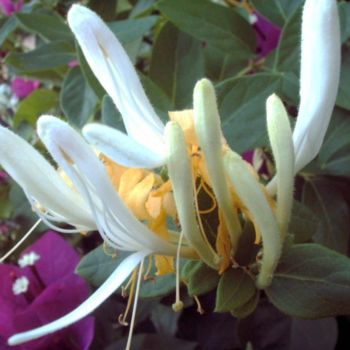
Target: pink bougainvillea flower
(9, 7)
(22, 87)
(43, 288)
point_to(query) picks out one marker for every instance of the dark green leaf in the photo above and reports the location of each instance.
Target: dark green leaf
(77, 99)
(343, 98)
(7, 28)
(216, 25)
(45, 57)
(344, 14)
(327, 202)
(235, 289)
(278, 11)
(303, 223)
(172, 65)
(248, 308)
(110, 115)
(311, 281)
(242, 108)
(247, 249)
(49, 27)
(130, 30)
(97, 266)
(38, 102)
(106, 9)
(158, 286)
(201, 279)
(164, 319)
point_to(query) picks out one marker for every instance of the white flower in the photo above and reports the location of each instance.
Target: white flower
(319, 77)
(144, 146)
(20, 285)
(92, 204)
(28, 259)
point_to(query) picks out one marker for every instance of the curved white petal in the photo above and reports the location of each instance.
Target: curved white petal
(113, 68)
(319, 77)
(41, 181)
(250, 192)
(121, 148)
(114, 220)
(280, 135)
(113, 282)
(208, 130)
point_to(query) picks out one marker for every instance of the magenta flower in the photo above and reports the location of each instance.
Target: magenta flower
(9, 7)
(22, 87)
(43, 288)
(267, 33)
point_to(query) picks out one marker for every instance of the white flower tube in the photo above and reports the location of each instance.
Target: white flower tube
(112, 67)
(42, 183)
(319, 77)
(112, 283)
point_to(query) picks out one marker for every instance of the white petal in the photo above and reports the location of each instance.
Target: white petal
(319, 79)
(114, 70)
(121, 148)
(208, 130)
(41, 181)
(113, 282)
(250, 192)
(180, 174)
(89, 175)
(280, 135)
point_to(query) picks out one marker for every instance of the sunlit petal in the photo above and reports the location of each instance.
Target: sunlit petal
(121, 148)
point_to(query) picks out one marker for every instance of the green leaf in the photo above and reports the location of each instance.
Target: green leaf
(129, 30)
(277, 11)
(242, 108)
(248, 308)
(77, 99)
(47, 56)
(334, 156)
(158, 286)
(235, 289)
(160, 101)
(164, 319)
(96, 266)
(311, 281)
(343, 98)
(220, 27)
(303, 223)
(110, 115)
(172, 67)
(49, 27)
(200, 278)
(344, 15)
(106, 9)
(327, 202)
(7, 28)
(38, 102)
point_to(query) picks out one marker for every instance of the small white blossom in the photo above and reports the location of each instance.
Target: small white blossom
(20, 286)
(28, 259)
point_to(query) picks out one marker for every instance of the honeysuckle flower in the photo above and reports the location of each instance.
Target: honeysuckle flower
(91, 202)
(319, 77)
(34, 295)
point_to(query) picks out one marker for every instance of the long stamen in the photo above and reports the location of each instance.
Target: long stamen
(122, 320)
(178, 305)
(133, 316)
(19, 243)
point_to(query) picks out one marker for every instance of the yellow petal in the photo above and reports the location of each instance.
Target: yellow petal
(164, 264)
(115, 171)
(186, 121)
(223, 244)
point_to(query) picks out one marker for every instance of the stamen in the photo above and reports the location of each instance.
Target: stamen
(206, 189)
(200, 310)
(133, 316)
(178, 305)
(122, 318)
(149, 268)
(20, 285)
(19, 243)
(108, 250)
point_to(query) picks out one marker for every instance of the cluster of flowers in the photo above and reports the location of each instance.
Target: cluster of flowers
(116, 196)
